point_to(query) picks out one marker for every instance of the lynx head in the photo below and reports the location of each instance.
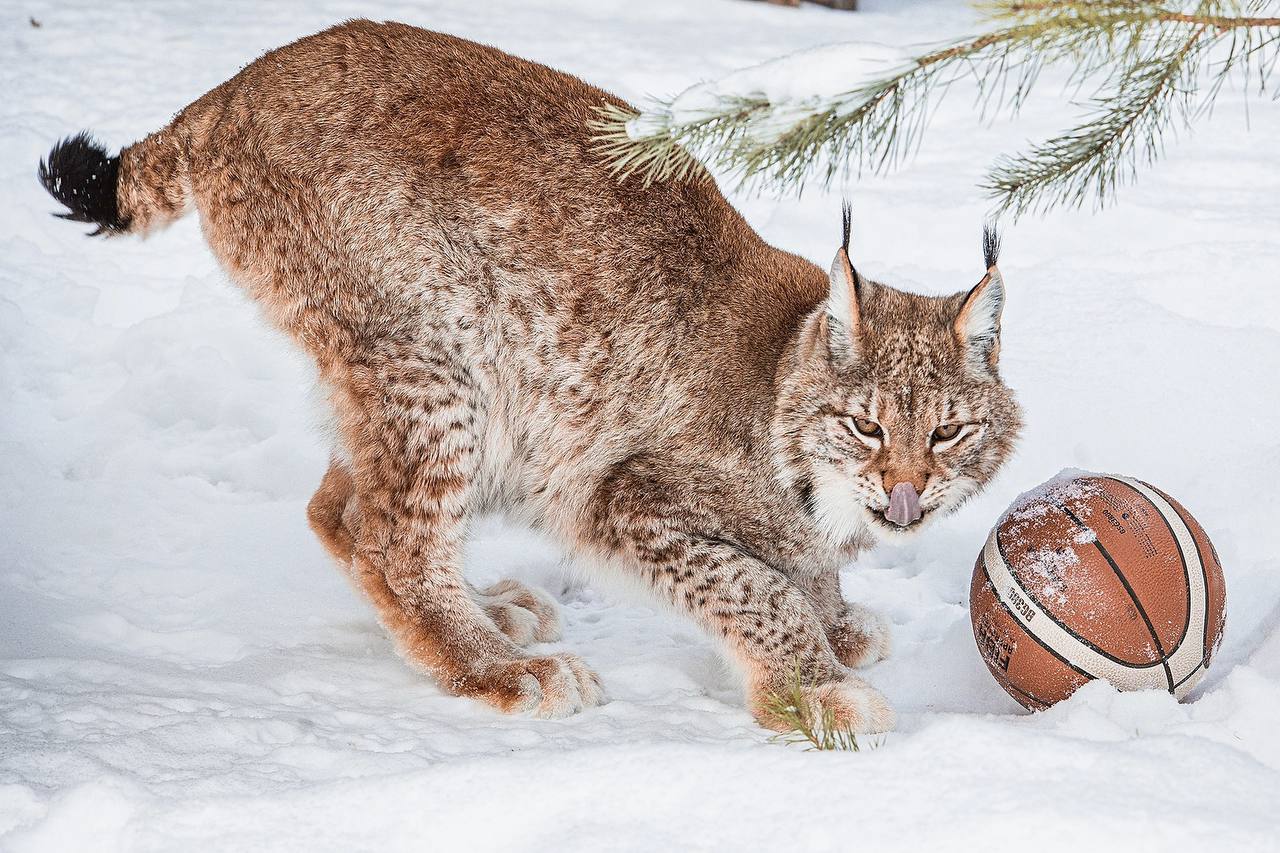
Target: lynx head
(893, 411)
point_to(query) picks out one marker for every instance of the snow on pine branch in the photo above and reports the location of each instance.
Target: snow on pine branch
(740, 120)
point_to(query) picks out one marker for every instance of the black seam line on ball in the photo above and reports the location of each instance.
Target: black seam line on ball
(1202, 665)
(1204, 572)
(1182, 556)
(1030, 697)
(1032, 634)
(1164, 661)
(1064, 626)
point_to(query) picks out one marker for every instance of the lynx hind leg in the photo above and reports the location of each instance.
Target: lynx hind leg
(524, 614)
(330, 512)
(413, 499)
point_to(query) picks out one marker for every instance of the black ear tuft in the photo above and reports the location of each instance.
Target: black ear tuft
(81, 176)
(846, 222)
(990, 245)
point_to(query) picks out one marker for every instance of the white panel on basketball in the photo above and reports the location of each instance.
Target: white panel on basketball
(1184, 661)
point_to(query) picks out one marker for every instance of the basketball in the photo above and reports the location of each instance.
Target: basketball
(1096, 577)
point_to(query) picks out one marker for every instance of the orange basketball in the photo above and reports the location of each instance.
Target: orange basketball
(1096, 577)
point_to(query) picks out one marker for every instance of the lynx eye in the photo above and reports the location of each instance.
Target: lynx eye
(866, 427)
(946, 432)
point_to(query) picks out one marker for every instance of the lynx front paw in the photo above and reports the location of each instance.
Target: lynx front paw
(861, 637)
(547, 687)
(852, 704)
(523, 614)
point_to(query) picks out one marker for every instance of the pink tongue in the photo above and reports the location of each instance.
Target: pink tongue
(904, 504)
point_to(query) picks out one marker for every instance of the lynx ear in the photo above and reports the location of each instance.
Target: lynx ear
(977, 325)
(842, 297)
(843, 294)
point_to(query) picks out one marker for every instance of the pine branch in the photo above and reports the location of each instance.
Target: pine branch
(1138, 104)
(1143, 59)
(1095, 158)
(874, 125)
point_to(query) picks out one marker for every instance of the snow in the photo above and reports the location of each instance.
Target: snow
(182, 669)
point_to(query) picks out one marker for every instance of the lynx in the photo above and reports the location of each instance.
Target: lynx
(504, 327)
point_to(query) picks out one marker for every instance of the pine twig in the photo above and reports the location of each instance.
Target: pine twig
(1157, 13)
(815, 729)
(1095, 158)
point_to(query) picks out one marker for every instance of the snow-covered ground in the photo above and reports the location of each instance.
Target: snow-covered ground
(182, 669)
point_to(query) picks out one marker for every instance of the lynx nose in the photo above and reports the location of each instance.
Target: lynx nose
(891, 478)
(904, 505)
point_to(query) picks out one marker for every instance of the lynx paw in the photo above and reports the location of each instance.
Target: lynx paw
(852, 704)
(861, 637)
(523, 614)
(546, 687)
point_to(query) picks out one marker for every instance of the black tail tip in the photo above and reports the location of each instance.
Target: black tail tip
(990, 245)
(82, 176)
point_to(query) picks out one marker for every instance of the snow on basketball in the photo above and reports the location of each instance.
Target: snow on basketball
(1096, 576)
